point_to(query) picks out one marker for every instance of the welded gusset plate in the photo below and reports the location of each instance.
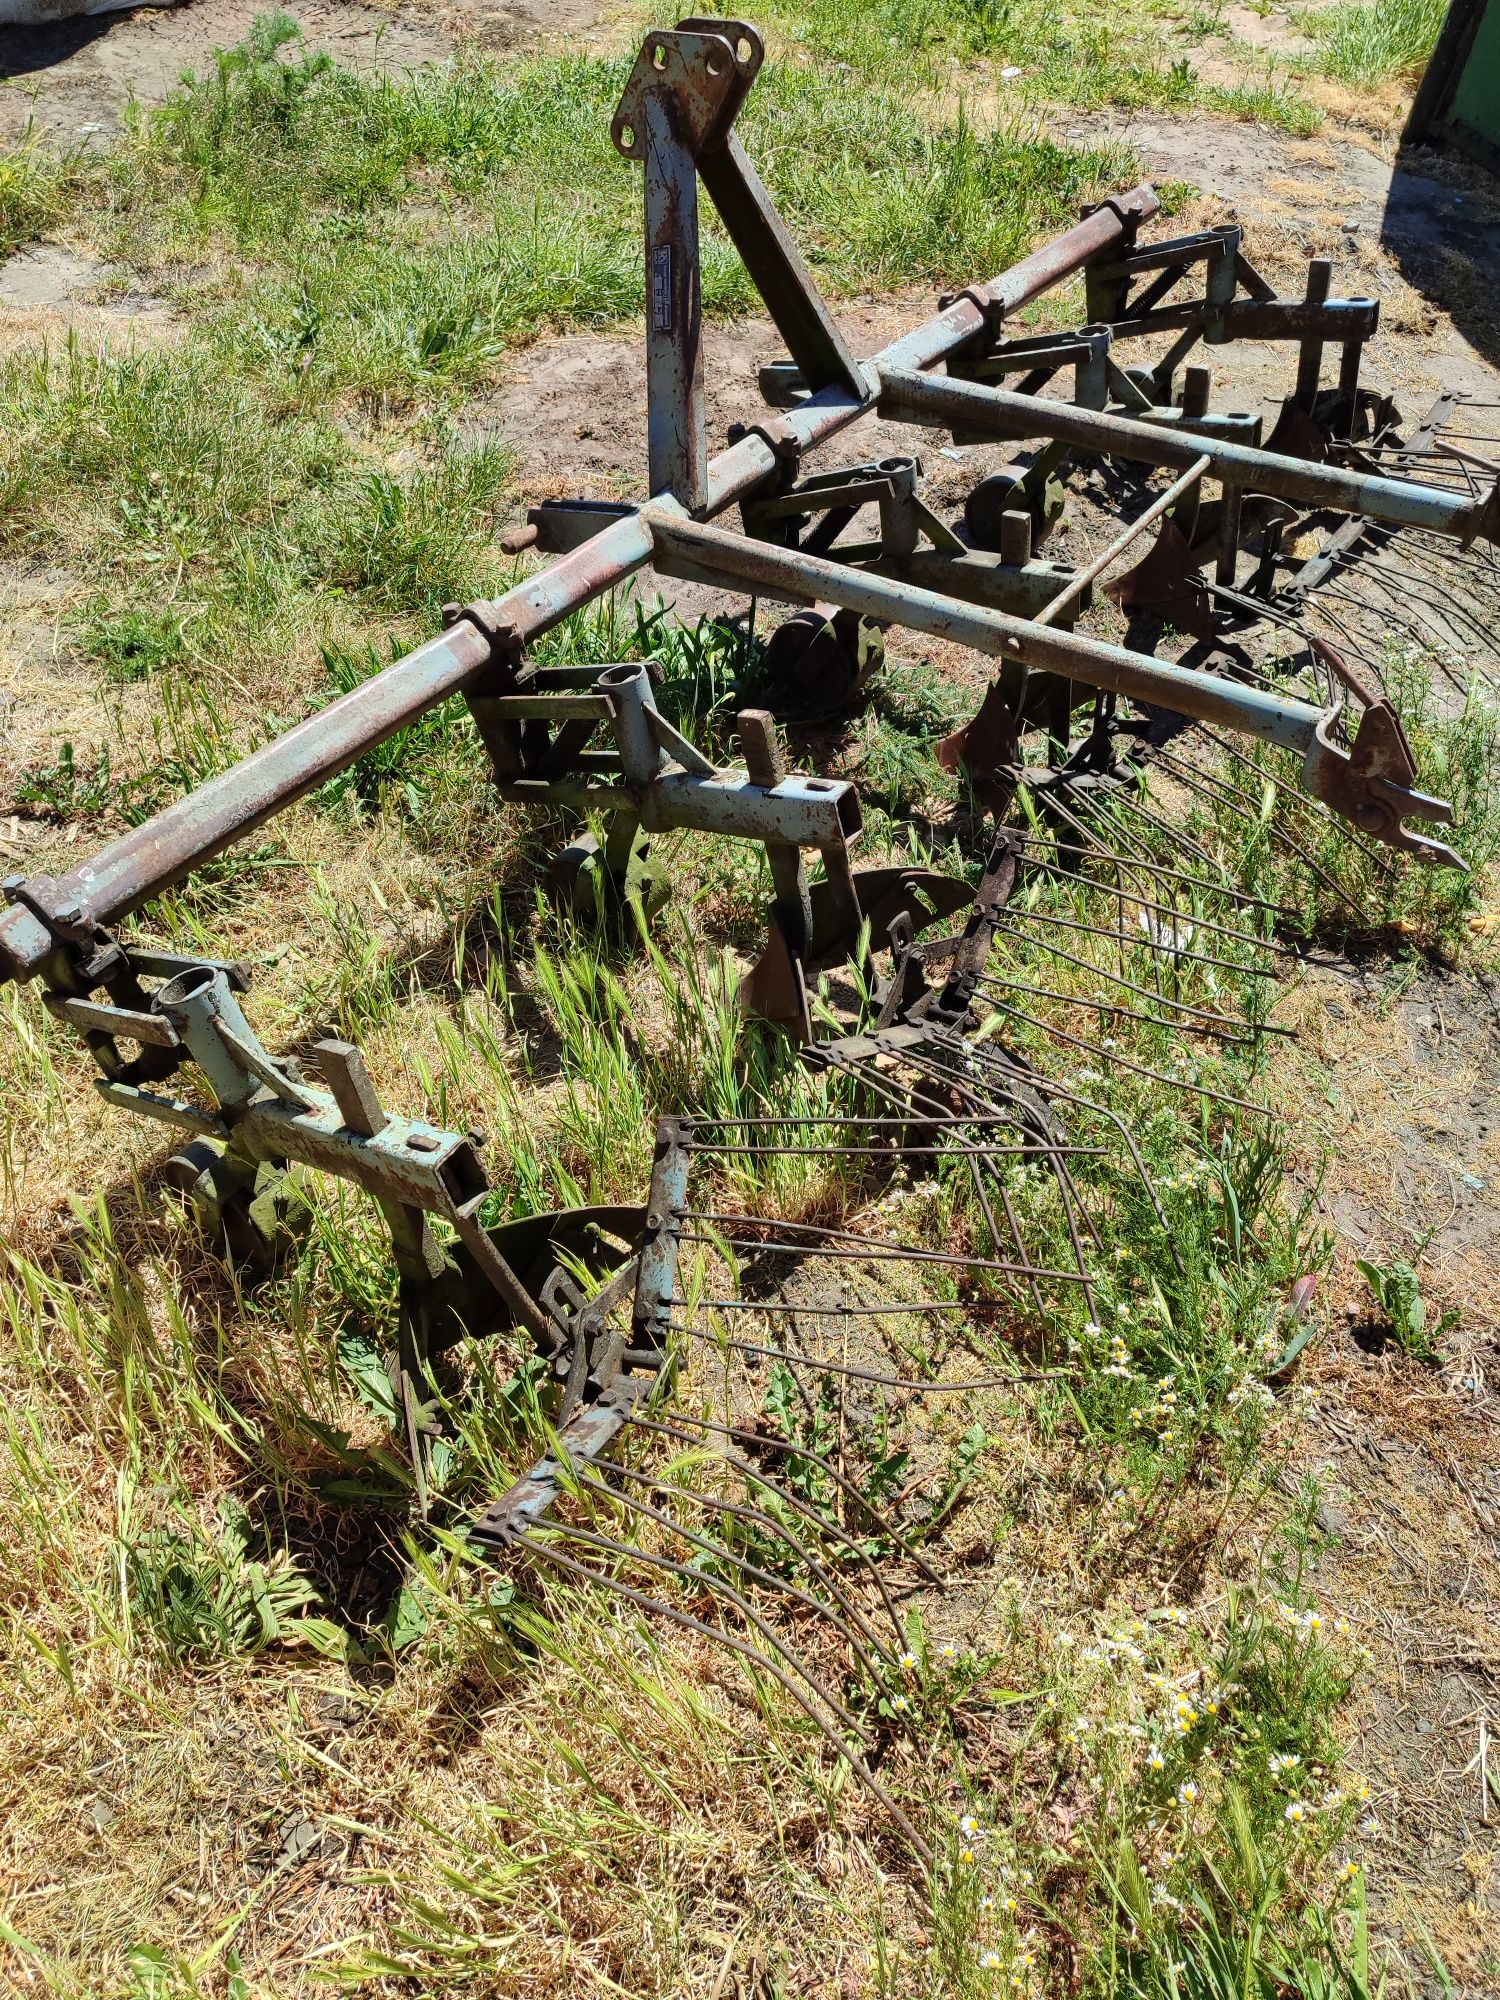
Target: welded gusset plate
(705, 67)
(1370, 785)
(1168, 584)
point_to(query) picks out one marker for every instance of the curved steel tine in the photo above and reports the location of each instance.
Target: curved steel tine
(706, 1580)
(1143, 865)
(823, 1366)
(658, 1608)
(1125, 800)
(1176, 952)
(1288, 801)
(1174, 910)
(1065, 812)
(1403, 624)
(1219, 1023)
(788, 1447)
(922, 1058)
(880, 1250)
(753, 1476)
(1010, 1218)
(1055, 1157)
(767, 1577)
(1123, 1062)
(1114, 1118)
(1411, 583)
(1410, 579)
(1100, 1003)
(1378, 857)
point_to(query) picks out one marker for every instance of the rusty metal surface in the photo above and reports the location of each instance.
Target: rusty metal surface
(940, 400)
(585, 1436)
(1168, 583)
(703, 69)
(677, 454)
(1095, 568)
(714, 554)
(748, 464)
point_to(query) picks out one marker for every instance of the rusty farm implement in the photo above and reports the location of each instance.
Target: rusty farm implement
(1250, 596)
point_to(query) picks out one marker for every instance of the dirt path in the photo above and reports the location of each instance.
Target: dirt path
(1420, 233)
(75, 77)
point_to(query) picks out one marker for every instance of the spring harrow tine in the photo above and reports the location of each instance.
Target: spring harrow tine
(776, 1525)
(1113, 1056)
(1043, 856)
(1178, 952)
(1137, 899)
(759, 1662)
(843, 1614)
(1289, 802)
(704, 1580)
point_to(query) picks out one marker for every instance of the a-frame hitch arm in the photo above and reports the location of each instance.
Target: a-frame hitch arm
(676, 116)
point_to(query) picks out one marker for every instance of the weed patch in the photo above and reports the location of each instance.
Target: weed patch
(1370, 44)
(38, 185)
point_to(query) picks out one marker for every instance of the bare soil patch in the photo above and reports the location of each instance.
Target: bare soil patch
(74, 78)
(1274, 31)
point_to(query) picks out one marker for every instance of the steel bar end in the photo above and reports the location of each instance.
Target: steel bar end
(26, 940)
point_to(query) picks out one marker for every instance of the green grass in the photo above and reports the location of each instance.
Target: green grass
(38, 186)
(1372, 44)
(1267, 101)
(1354, 888)
(526, 219)
(266, 1401)
(1139, 56)
(216, 532)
